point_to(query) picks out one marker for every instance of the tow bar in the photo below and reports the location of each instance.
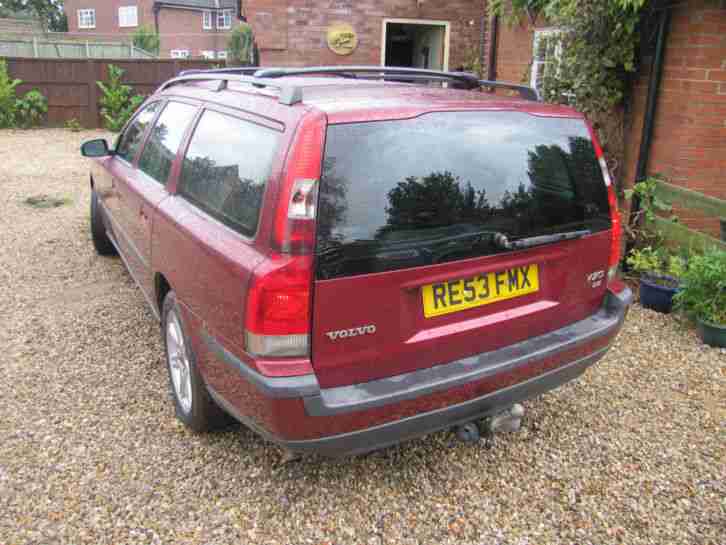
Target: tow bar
(507, 421)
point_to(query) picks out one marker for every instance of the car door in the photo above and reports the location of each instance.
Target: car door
(113, 185)
(146, 184)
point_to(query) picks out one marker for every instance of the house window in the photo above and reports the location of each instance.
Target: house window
(224, 19)
(546, 51)
(208, 54)
(207, 20)
(128, 16)
(86, 18)
(179, 53)
(222, 55)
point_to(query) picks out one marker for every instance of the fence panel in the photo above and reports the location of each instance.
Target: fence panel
(70, 84)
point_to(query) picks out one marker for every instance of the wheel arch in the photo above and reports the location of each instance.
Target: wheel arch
(161, 288)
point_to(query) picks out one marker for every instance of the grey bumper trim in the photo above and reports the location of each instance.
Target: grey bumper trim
(358, 397)
(274, 387)
(359, 442)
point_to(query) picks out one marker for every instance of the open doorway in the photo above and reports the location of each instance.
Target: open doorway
(415, 44)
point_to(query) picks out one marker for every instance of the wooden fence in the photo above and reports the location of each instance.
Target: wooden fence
(679, 234)
(39, 47)
(70, 85)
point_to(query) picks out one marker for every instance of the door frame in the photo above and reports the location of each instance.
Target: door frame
(422, 22)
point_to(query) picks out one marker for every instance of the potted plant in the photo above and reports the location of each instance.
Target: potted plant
(660, 274)
(703, 296)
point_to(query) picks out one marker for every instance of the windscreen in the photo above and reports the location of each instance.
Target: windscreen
(445, 186)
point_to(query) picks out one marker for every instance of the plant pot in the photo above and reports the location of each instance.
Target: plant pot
(656, 297)
(712, 334)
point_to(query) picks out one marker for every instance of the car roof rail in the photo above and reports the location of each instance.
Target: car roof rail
(525, 92)
(289, 94)
(469, 81)
(240, 70)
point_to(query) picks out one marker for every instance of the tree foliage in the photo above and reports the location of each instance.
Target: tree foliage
(241, 46)
(50, 12)
(146, 38)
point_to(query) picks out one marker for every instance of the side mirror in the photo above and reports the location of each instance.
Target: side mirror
(95, 148)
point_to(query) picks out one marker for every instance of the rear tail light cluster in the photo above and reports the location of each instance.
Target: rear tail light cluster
(277, 320)
(615, 241)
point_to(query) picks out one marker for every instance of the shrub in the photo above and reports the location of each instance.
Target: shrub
(72, 125)
(31, 108)
(147, 39)
(658, 265)
(703, 296)
(8, 105)
(117, 103)
(241, 46)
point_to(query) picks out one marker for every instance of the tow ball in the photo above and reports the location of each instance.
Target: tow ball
(509, 420)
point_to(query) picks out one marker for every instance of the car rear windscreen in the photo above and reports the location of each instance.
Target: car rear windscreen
(443, 186)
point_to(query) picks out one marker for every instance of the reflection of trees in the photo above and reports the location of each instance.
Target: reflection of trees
(332, 203)
(221, 191)
(157, 158)
(436, 200)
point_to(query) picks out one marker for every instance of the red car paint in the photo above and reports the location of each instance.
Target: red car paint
(166, 241)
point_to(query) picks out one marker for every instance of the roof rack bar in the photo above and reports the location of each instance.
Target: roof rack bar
(289, 94)
(470, 81)
(527, 93)
(240, 70)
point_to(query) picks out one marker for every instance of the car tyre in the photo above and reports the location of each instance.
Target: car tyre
(192, 402)
(101, 242)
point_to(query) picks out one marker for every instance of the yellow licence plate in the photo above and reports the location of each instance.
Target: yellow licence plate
(455, 295)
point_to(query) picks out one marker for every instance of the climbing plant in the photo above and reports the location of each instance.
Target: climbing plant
(241, 46)
(596, 58)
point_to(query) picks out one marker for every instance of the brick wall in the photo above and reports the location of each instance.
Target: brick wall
(107, 15)
(183, 29)
(293, 32)
(689, 140)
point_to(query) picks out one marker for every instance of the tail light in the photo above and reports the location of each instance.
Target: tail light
(615, 241)
(277, 320)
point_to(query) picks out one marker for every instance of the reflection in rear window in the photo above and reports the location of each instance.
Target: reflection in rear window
(439, 188)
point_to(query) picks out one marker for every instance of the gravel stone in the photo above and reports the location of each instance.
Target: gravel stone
(90, 451)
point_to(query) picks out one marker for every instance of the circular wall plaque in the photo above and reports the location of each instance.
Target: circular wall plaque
(342, 39)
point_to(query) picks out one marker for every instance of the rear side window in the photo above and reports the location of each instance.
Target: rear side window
(130, 141)
(441, 187)
(226, 168)
(164, 141)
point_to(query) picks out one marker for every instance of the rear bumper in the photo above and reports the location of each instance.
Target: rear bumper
(386, 411)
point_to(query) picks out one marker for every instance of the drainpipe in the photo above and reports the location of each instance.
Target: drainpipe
(656, 73)
(155, 9)
(492, 53)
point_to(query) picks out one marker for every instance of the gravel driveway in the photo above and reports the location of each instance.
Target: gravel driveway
(90, 452)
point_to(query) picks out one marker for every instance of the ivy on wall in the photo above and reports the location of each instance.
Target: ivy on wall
(596, 57)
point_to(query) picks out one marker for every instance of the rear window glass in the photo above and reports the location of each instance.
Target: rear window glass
(164, 141)
(226, 167)
(441, 187)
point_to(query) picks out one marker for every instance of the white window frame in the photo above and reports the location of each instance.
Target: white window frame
(207, 20)
(208, 54)
(222, 55)
(179, 53)
(225, 15)
(537, 63)
(128, 16)
(89, 16)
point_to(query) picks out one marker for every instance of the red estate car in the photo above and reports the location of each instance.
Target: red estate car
(345, 258)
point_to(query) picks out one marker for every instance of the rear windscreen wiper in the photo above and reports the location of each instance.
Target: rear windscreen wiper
(503, 241)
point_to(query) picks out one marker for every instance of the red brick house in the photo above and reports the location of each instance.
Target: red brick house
(687, 138)
(421, 33)
(187, 28)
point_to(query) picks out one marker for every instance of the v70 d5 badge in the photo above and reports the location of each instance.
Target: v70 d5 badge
(353, 332)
